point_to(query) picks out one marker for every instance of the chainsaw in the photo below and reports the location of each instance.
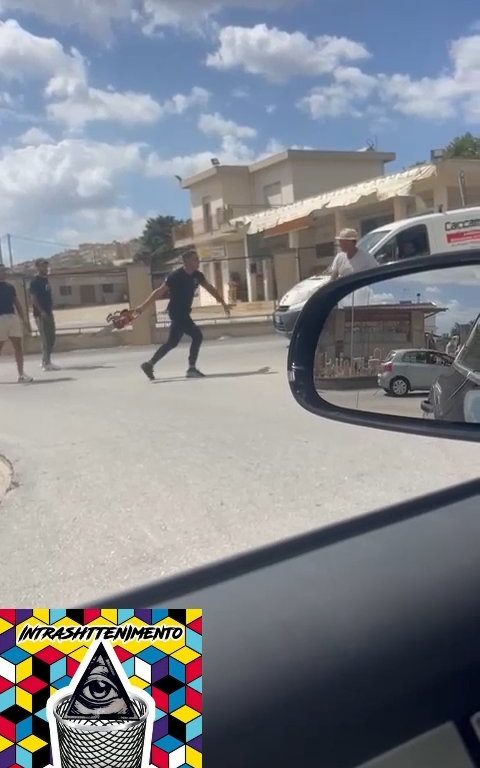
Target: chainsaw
(122, 318)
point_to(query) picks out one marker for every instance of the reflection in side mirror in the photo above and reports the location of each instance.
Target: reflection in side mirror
(409, 346)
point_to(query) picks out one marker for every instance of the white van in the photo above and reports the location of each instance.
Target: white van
(425, 235)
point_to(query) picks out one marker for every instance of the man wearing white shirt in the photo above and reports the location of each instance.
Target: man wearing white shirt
(350, 259)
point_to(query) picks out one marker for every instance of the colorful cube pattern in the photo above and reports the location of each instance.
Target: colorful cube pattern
(28, 679)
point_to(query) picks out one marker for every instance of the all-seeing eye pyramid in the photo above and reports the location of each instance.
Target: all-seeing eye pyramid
(100, 694)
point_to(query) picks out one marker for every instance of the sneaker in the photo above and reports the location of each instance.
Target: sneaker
(24, 379)
(194, 373)
(147, 368)
(50, 367)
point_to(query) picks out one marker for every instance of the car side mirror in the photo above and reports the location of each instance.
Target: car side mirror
(361, 351)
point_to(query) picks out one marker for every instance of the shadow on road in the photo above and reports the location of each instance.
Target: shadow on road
(36, 381)
(236, 375)
(85, 367)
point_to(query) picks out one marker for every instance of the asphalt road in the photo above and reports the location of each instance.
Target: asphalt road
(122, 481)
(376, 401)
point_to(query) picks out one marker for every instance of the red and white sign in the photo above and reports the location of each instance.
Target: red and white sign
(463, 236)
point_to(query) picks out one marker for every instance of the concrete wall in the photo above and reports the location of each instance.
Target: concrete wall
(326, 174)
(228, 187)
(281, 172)
(473, 196)
(213, 189)
(237, 190)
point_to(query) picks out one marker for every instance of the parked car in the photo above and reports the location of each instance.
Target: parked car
(455, 394)
(291, 305)
(410, 370)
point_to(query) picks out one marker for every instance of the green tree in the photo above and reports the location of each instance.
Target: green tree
(156, 246)
(467, 146)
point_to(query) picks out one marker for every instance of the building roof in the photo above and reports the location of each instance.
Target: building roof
(289, 154)
(426, 308)
(376, 190)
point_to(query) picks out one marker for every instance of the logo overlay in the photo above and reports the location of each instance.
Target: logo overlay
(112, 688)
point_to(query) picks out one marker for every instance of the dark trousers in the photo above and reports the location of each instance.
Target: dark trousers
(179, 327)
(47, 330)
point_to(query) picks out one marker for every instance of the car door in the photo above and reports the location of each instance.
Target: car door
(413, 368)
(435, 365)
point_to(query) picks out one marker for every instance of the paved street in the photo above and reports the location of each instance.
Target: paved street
(376, 401)
(122, 481)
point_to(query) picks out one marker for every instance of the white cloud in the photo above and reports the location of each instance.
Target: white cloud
(278, 55)
(270, 109)
(51, 181)
(92, 16)
(99, 17)
(350, 86)
(84, 104)
(450, 94)
(187, 14)
(216, 125)
(232, 151)
(241, 93)
(34, 137)
(24, 55)
(71, 99)
(180, 103)
(102, 226)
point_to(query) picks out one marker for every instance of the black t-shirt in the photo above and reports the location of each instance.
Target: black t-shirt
(7, 299)
(40, 288)
(182, 287)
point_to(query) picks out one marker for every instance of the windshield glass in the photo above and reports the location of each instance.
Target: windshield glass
(469, 356)
(369, 241)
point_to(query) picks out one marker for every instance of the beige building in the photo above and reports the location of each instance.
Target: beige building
(221, 195)
(293, 235)
(300, 237)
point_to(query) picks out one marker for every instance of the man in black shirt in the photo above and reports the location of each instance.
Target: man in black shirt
(11, 319)
(41, 294)
(180, 288)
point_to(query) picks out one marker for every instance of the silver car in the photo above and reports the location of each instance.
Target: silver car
(410, 370)
(293, 302)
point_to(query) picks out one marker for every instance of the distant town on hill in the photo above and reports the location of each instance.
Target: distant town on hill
(89, 255)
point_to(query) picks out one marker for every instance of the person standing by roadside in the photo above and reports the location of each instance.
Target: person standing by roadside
(452, 346)
(41, 294)
(11, 319)
(350, 258)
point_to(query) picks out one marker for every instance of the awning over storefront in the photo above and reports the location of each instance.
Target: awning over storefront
(295, 216)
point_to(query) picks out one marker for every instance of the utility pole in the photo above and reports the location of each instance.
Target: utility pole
(10, 252)
(1, 253)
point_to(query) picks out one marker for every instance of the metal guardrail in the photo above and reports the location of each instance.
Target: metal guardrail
(161, 322)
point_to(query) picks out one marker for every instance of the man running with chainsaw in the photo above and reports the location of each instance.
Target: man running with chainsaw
(180, 288)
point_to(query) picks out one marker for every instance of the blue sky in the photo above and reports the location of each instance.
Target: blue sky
(102, 102)
(455, 290)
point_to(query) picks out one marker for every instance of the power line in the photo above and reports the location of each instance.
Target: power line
(40, 242)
